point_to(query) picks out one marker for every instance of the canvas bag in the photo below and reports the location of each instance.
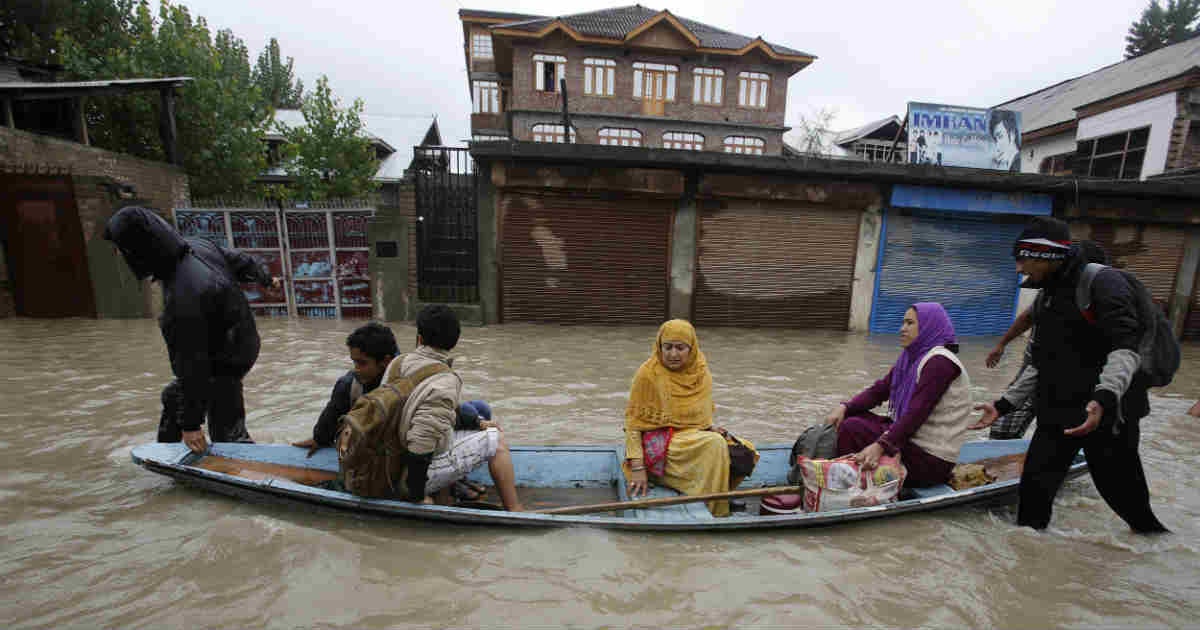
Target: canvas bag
(1159, 350)
(369, 445)
(837, 484)
(818, 441)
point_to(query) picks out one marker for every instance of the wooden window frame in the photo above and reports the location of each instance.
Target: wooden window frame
(475, 48)
(602, 70)
(1087, 159)
(708, 81)
(560, 71)
(753, 86)
(557, 133)
(480, 103)
(745, 145)
(671, 79)
(623, 137)
(686, 138)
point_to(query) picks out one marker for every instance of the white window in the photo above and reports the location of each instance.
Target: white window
(548, 71)
(481, 45)
(486, 97)
(743, 144)
(707, 85)
(752, 89)
(654, 81)
(545, 132)
(683, 140)
(620, 137)
(599, 77)
(486, 138)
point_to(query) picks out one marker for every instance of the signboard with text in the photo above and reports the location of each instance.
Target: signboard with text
(949, 135)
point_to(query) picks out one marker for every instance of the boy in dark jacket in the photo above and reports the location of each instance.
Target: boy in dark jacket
(1084, 380)
(206, 322)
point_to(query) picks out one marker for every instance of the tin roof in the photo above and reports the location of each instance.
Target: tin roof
(1056, 104)
(618, 22)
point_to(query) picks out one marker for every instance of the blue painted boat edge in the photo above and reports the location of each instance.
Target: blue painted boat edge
(168, 459)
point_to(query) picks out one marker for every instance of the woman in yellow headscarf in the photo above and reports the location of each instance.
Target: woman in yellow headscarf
(669, 433)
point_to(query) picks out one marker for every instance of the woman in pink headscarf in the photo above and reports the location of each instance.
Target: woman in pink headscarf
(929, 394)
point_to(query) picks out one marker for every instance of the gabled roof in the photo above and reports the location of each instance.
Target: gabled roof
(396, 134)
(621, 24)
(1056, 104)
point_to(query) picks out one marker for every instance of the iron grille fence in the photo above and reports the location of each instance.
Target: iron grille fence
(447, 225)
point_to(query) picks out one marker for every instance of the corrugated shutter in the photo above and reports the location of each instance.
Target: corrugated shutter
(1151, 252)
(585, 260)
(1191, 325)
(964, 264)
(774, 264)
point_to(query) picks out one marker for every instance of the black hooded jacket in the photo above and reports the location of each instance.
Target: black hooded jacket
(206, 320)
(1070, 352)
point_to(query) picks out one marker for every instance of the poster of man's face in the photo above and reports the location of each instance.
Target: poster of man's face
(968, 137)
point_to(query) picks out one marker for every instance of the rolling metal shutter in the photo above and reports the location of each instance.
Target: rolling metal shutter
(584, 260)
(1191, 325)
(774, 264)
(965, 263)
(1151, 252)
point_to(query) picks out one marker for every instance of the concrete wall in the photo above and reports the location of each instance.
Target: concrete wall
(1033, 152)
(862, 287)
(1158, 113)
(394, 279)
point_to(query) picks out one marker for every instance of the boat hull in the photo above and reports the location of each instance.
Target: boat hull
(558, 467)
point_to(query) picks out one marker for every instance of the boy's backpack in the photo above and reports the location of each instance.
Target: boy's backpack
(1159, 350)
(370, 447)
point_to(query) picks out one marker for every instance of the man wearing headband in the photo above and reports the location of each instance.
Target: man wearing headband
(1084, 381)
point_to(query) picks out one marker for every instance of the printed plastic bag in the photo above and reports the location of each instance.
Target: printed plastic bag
(836, 484)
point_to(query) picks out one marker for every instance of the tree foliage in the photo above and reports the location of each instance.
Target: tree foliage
(273, 78)
(218, 115)
(330, 156)
(1159, 27)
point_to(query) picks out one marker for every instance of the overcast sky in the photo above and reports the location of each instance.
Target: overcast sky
(405, 58)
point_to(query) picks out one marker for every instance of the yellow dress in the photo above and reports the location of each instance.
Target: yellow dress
(697, 459)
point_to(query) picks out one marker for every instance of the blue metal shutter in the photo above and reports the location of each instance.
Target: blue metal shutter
(963, 262)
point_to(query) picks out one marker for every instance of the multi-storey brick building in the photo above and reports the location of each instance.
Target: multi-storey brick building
(634, 77)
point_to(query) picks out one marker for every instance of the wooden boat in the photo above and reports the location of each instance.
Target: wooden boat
(552, 477)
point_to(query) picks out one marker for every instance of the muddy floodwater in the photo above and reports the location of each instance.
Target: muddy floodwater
(89, 540)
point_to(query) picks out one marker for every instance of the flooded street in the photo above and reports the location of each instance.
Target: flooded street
(90, 540)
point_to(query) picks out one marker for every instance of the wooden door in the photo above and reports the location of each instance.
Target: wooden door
(46, 252)
(654, 92)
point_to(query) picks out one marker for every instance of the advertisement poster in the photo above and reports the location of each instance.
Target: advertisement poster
(948, 135)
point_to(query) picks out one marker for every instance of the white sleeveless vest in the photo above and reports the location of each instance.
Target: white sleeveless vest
(944, 431)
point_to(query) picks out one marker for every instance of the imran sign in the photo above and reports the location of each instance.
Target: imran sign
(949, 135)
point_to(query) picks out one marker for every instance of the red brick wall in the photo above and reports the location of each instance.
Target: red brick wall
(587, 130)
(158, 184)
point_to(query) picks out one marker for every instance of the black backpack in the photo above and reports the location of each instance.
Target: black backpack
(1158, 348)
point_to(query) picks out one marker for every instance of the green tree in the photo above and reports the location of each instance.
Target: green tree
(28, 28)
(273, 77)
(218, 118)
(1159, 27)
(330, 156)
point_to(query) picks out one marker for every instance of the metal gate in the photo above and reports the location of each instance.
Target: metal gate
(447, 225)
(320, 251)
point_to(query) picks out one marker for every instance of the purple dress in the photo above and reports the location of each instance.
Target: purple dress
(862, 427)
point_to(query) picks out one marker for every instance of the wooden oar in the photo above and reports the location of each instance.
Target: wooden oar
(664, 501)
